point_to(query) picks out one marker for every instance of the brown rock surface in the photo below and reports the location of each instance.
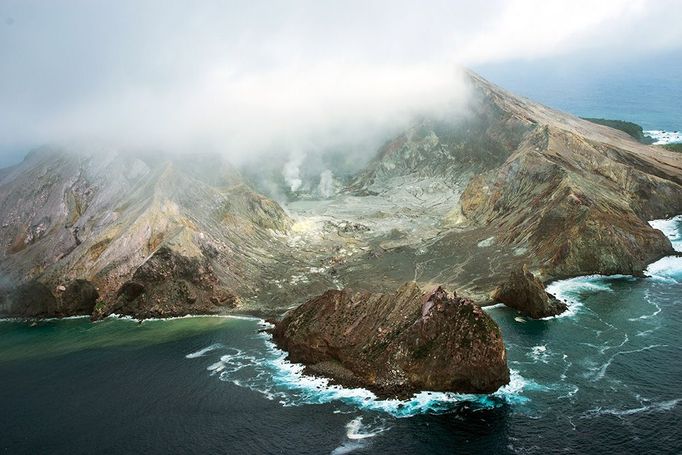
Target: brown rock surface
(79, 297)
(524, 292)
(169, 284)
(397, 344)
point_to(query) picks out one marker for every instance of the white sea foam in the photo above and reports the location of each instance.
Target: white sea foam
(493, 307)
(271, 374)
(661, 406)
(539, 354)
(349, 447)
(667, 269)
(203, 351)
(671, 228)
(357, 429)
(187, 316)
(650, 315)
(571, 290)
(664, 137)
(358, 434)
(600, 372)
(574, 389)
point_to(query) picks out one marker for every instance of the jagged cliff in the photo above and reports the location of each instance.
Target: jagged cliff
(529, 185)
(461, 199)
(186, 230)
(397, 344)
(578, 196)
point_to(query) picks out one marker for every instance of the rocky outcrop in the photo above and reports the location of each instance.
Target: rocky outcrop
(67, 215)
(397, 344)
(29, 300)
(579, 206)
(525, 293)
(79, 297)
(34, 299)
(169, 284)
(461, 198)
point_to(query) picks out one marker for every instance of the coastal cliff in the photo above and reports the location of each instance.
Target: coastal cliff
(460, 199)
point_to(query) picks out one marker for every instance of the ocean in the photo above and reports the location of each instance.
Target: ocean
(640, 89)
(605, 377)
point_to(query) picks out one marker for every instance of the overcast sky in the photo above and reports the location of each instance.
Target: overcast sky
(239, 76)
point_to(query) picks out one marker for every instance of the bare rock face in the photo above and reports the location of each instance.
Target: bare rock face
(29, 300)
(169, 284)
(34, 299)
(526, 293)
(78, 298)
(397, 344)
(576, 196)
(67, 215)
(478, 191)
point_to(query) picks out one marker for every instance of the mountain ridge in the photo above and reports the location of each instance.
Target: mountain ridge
(458, 200)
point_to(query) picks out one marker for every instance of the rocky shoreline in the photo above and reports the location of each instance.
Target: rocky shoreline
(492, 203)
(397, 344)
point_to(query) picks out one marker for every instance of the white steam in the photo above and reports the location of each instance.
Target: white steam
(292, 172)
(243, 77)
(326, 186)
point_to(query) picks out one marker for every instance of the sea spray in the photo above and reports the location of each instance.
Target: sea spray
(672, 228)
(667, 269)
(268, 372)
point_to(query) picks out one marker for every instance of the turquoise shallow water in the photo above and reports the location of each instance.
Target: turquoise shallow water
(605, 377)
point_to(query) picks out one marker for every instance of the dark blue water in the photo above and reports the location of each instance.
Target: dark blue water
(604, 378)
(644, 90)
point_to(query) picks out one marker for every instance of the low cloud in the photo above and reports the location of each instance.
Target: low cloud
(294, 110)
(246, 78)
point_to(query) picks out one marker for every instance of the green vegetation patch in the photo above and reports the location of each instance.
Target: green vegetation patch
(630, 128)
(677, 147)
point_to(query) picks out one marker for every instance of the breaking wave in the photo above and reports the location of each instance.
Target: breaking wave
(668, 269)
(671, 228)
(203, 351)
(573, 290)
(267, 371)
(664, 137)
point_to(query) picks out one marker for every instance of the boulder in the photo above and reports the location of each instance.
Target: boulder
(524, 292)
(78, 298)
(397, 344)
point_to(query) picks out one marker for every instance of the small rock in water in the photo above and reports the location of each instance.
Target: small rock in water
(524, 292)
